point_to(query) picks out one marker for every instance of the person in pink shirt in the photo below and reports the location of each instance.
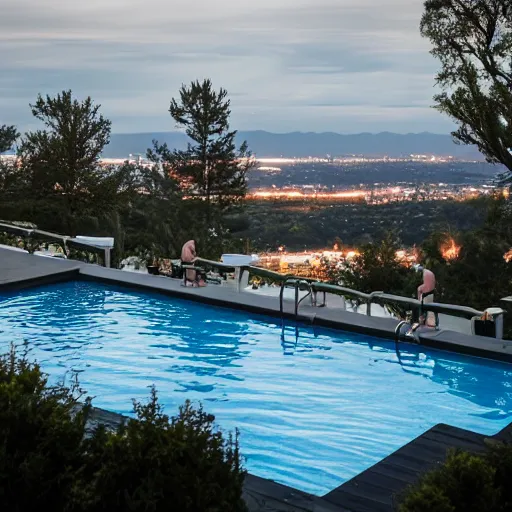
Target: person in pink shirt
(426, 294)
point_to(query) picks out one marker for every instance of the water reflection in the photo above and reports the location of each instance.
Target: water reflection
(466, 377)
(75, 317)
(314, 406)
(68, 322)
(289, 341)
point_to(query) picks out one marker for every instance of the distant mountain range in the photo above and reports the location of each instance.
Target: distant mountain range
(298, 144)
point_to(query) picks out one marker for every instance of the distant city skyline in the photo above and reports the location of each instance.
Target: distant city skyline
(343, 66)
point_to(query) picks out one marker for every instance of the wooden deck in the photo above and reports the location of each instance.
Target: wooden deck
(379, 488)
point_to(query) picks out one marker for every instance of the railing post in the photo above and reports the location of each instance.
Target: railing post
(297, 286)
(239, 272)
(281, 292)
(107, 257)
(370, 301)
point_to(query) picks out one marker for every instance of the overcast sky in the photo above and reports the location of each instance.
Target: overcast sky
(289, 65)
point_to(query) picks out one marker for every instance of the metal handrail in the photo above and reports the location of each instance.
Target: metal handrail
(433, 307)
(297, 284)
(397, 330)
(318, 286)
(370, 302)
(216, 264)
(284, 343)
(454, 310)
(380, 298)
(63, 240)
(281, 293)
(262, 272)
(16, 230)
(315, 286)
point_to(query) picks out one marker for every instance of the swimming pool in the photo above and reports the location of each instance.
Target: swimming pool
(311, 414)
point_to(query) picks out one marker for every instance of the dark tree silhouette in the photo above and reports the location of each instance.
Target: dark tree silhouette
(472, 39)
(8, 135)
(61, 161)
(211, 167)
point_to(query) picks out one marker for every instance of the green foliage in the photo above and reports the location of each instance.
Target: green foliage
(473, 41)
(356, 224)
(60, 184)
(211, 167)
(157, 218)
(8, 136)
(499, 455)
(75, 136)
(152, 463)
(41, 435)
(376, 268)
(465, 483)
(480, 276)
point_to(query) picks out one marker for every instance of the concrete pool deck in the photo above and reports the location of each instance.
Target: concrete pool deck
(374, 489)
(18, 270)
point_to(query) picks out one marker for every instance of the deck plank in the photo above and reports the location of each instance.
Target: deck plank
(378, 487)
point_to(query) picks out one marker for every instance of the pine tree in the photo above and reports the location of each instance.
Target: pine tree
(473, 41)
(61, 161)
(211, 168)
(8, 135)
(66, 153)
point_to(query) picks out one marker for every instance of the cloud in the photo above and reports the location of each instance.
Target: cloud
(309, 65)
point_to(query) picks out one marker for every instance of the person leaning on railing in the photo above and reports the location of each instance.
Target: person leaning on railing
(426, 294)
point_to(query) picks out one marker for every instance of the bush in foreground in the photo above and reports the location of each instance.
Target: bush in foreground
(151, 463)
(465, 483)
(40, 437)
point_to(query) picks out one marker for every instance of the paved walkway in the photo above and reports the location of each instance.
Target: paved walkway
(18, 269)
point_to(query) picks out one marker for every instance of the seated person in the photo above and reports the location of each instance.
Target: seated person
(188, 257)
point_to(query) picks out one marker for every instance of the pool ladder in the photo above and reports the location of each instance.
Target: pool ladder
(289, 347)
(409, 336)
(397, 330)
(297, 285)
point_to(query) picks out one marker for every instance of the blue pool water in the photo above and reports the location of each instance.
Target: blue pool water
(311, 415)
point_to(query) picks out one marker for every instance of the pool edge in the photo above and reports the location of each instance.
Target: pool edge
(30, 270)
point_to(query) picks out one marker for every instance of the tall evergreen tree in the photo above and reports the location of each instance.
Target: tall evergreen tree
(12, 182)
(473, 41)
(8, 136)
(65, 154)
(66, 183)
(211, 168)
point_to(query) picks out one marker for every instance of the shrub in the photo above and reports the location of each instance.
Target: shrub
(152, 463)
(377, 268)
(465, 483)
(41, 436)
